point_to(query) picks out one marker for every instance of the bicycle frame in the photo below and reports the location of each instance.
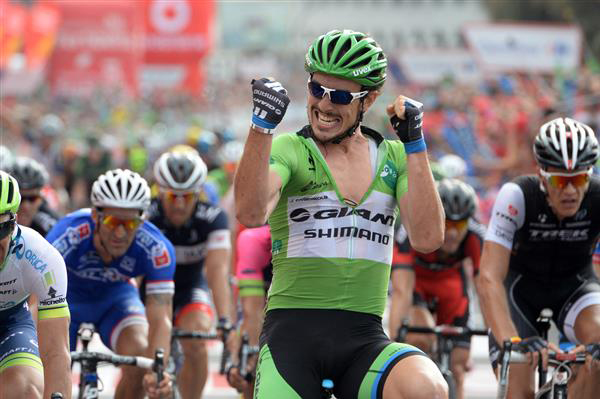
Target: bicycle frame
(445, 345)
(88, 382)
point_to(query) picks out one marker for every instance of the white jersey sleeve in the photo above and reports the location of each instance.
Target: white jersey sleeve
(508, 215)
(219, 239)
(46, 274)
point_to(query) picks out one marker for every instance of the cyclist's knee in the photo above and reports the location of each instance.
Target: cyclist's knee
(21, 382)
(132, 341)
(195, 350)
(415, 377)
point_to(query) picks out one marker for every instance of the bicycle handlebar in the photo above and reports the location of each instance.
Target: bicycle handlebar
(193, 334)
(444, 330)
(117, 360)
(577, 358)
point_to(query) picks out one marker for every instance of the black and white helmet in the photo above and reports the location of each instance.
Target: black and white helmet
(121, 188)
(29, 173)
(566, 144)
(231, 152)
(180, 170)
(458, 198)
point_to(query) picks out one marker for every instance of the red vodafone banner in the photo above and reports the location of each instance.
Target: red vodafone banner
(40, 36)
(178, 35)
(100, 45)
(13, 18)
(177, 30)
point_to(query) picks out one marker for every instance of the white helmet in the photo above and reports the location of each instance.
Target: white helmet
(51, 125)
(231, 152)
(6, 159)
(180, 170)
(566, 144)
(120, 188)
(453, 166)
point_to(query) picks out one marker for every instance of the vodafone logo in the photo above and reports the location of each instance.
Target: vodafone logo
(170, 16)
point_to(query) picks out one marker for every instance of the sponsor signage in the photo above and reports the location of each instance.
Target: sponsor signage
(508, 47)
(178, 34)
(100, 44)
(431, 67)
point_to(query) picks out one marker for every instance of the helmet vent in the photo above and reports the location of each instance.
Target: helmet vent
(343, 50)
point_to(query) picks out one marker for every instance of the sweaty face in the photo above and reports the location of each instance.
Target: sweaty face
(31, 200)
(327, 119)
(178, 205)
(117, 228)
(454, 235)
(564, 201)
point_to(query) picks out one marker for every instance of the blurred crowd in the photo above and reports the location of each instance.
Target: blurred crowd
(489, 125)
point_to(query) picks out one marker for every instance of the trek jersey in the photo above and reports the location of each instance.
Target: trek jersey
(150, 255)
(253, 268)
(329, 253)
(541, 246)
(33, 266)
(205, 230)
(44, 219)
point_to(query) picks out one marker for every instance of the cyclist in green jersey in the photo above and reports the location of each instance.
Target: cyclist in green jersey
(330, 193)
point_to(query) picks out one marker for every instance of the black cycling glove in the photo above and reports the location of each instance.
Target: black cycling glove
(593, 350)
(410, 128)
(270, 103)
(531, 344)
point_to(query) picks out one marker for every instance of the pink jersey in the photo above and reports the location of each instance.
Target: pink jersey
(252, 260)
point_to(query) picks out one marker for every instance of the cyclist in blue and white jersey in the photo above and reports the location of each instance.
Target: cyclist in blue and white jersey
(31, 362)
(201, 238)
(104, 247)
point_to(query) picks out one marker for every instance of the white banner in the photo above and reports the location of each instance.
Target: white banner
(430, 67)
(525, 47)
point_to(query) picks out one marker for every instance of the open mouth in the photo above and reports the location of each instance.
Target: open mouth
(326, 121)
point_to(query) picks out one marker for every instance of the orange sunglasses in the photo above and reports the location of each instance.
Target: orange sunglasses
(457, 224)
(562, 180)
(112, 222)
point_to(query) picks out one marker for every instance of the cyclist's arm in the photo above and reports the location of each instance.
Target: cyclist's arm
(403, 283)
(420, 205)
(159, 314)
(253, 308)
(217, 275)
(159, 297)
(490, 288)
(257, 187)
(508, 215)
(53, 336)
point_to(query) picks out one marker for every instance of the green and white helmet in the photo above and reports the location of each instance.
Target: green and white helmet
(349, 55)
(10, 197)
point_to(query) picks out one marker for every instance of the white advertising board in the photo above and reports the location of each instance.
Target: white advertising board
(524, 47)
(430, 67)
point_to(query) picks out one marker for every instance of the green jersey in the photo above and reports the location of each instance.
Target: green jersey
(327, 253)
